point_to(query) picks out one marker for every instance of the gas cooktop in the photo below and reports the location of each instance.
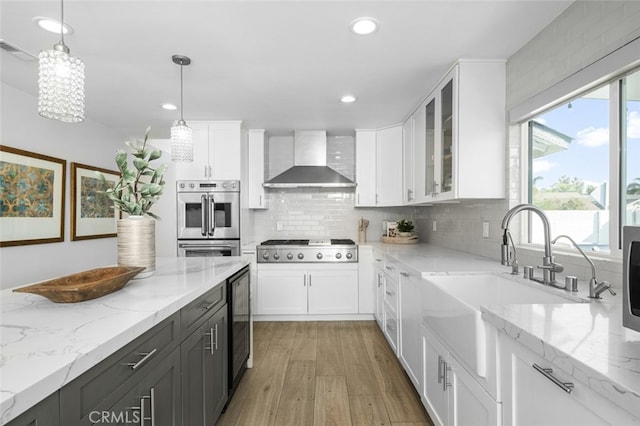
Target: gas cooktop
(322, 250)
(311, 242)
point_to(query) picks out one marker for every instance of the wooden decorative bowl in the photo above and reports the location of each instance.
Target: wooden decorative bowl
(84, 285)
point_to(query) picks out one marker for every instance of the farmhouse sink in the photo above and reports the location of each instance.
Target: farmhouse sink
(452, 310)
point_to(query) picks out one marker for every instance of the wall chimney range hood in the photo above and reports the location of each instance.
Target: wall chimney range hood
(310, 168)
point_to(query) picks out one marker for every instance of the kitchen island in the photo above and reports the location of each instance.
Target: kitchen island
(47, 345)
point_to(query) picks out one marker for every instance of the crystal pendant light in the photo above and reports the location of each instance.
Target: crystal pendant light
(181, 134)
(61, 82)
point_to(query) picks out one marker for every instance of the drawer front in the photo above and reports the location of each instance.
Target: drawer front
(195, 312)
(83, 395)
(391, 328)
(391, 293)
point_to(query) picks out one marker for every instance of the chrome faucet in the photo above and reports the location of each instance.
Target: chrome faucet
(549, 267)
(595, 287)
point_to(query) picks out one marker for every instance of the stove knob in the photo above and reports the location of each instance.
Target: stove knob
(182, 185)
(191, 185)
(338, 255)
(319, 256)
(289, 256)
(349, 255)
(265, 256)
(276, 256)
(300, 256)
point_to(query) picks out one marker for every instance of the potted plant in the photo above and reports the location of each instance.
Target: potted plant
(405, 227)
(139, 187)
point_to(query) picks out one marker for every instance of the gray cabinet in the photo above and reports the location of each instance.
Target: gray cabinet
(95, 392)
(46, 413)
(155, 400)
(204, 370)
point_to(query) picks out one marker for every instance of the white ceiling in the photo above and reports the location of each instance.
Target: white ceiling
(278, 65)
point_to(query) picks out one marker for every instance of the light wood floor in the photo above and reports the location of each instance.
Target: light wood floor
(324, 373)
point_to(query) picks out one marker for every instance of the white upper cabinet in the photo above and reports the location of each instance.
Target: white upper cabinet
(458, 137)
(216, 152)
(389, 166)
(470, 139)
(408, 164)
(255, 169)
(379, 176)
(365, 168)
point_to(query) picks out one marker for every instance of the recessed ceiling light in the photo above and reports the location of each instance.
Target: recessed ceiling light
(52, 25)
(347, 99)
(364, 26)
(169, 107)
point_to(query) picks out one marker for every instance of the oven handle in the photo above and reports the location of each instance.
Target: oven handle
(205, 246)
(212, 209)
(203, 209)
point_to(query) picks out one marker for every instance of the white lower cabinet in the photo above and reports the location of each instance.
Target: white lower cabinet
(532, 398)
(379, 289)
(449, 393)
(307, 289)
(410, 310)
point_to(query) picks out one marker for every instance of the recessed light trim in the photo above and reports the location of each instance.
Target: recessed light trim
(364, 26)
(169, 107)
(347, 99)
(52, 25)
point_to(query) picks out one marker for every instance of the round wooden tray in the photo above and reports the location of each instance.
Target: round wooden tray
(400, 240)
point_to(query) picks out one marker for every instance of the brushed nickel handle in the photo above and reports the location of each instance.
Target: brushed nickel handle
(389, 293)
(211, 339)
(211, 305)
(216, 331)
(548, 373)
(439, 368)
(146, 357)
(390, 268)
(445, 370)
(404, 274)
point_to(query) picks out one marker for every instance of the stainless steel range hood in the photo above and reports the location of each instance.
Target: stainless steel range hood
(310, 168)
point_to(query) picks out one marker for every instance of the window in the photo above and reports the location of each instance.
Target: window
(584, 171)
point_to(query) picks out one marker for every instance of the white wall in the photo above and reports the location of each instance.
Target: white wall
(88, 143)
(585, 32)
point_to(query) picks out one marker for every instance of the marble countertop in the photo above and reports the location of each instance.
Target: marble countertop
(45, 345)
(587, 340)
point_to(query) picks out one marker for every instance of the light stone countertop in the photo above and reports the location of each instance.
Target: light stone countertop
(45, 345)
(587, 340)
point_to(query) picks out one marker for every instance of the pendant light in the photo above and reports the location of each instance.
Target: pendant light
(181, 134)
(61, 82)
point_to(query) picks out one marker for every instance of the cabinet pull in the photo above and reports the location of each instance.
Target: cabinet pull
(439, 368)
(305, 281)
(216, 331)
(309, 280)
(212, 343)
(209, 306)
(146, 357)
(152, 403)
(203, 208)
(548, 373)
(378, 260)
(404, 274)
(390, 268)
(445, 370)
(260, 203)
(389, 293)
(390, 328)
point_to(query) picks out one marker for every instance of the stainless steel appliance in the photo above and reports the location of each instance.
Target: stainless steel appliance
(631, 277)
(238, 305)
(308, 251)
(208, 218)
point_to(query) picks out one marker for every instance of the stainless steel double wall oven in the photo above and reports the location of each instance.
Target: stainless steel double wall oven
(208, 218)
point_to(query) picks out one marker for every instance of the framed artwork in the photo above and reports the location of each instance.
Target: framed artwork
(92, 212)
(32, 188)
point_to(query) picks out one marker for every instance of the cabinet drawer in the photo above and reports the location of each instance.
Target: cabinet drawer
(87, 392)
(194, 312)
(391, 293)
(391, 328)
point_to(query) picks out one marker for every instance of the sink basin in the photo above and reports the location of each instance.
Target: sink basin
(452, 310)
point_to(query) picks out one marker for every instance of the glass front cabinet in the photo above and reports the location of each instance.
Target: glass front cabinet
(458, 138)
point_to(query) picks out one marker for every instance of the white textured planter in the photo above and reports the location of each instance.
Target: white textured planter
(137, 243)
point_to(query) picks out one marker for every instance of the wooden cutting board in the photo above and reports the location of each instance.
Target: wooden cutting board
(400, 240)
